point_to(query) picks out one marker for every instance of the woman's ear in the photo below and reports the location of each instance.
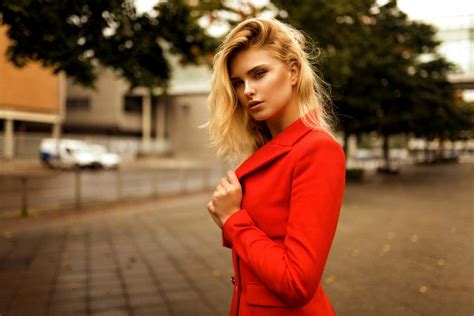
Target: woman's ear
(294, 72)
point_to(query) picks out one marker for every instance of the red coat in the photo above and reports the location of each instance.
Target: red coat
(292, 193)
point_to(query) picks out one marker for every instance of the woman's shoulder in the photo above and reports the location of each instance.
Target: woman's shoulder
(318, 141)
(318, 138)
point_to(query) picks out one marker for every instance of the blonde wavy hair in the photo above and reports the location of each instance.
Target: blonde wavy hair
(232, 131)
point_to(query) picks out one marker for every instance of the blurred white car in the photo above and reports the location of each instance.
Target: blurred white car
(103, 158)
(69, 153)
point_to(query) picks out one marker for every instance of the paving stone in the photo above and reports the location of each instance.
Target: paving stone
(27, 309)
(151, 310)
(192, 308)
(70, 285)
(110, 282)
(69, 277)
(98, 274)
(107, 303)
(111, 312)
(69, 296)
(68, 308)
(141, 287)
(138, 277)
(180, 296)
(137, 300)
(106, 291)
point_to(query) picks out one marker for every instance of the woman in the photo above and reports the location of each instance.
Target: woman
(278, 211)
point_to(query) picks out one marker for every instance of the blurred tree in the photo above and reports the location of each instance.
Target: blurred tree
(450, 121)
(76, 36)
(385, 73)
(224, 15)
(340, 30)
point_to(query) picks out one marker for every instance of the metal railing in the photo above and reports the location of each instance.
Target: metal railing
(41, 189)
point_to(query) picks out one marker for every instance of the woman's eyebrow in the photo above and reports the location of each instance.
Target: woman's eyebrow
(250, 71)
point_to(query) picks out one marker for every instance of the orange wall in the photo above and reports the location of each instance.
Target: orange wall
(31, 88)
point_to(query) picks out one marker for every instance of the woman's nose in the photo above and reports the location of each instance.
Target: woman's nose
(249, 90)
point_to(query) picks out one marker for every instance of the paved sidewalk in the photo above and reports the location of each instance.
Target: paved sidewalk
(155, 258)
(404, 246)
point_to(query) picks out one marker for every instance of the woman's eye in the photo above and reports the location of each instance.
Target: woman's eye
(259, 74)
(236, 84)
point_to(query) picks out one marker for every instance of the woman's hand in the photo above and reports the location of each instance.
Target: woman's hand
(226, 199)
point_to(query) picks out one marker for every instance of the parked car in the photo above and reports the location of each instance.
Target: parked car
(103, 158)
(69, 153)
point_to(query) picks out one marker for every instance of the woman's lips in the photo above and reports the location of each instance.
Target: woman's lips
(254, 104)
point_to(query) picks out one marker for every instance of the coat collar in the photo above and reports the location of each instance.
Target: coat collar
(275, 148)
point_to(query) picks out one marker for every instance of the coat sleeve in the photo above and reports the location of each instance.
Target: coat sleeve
(225, 241)
(293, 270)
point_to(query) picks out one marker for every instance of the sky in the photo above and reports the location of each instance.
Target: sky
(416, 9)
(144, 5)
(431, 9)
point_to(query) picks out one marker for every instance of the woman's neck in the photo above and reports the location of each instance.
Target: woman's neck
(289, 114)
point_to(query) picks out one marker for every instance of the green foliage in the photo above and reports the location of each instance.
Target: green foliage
(76, 36)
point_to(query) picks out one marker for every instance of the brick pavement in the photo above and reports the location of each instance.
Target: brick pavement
(403, 247)
(157, 258)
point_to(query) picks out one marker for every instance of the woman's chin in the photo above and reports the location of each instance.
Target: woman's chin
(259, 116)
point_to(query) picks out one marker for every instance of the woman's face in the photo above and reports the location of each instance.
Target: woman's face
(264, 84)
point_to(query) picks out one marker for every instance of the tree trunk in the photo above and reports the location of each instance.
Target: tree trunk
(441, 149)
(346, 143)
(386, 151)
(426, 153)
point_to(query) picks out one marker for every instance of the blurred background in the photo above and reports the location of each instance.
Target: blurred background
(105, 171)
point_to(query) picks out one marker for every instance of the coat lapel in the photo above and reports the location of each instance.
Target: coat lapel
(279, 146)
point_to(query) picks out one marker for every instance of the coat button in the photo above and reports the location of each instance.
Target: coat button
(232, 279)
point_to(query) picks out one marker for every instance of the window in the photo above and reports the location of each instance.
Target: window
(78, 104)
(133, 104)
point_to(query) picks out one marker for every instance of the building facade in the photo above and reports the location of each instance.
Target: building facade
(167, 125)
(454, 21)
(457, 36)
(31, 94)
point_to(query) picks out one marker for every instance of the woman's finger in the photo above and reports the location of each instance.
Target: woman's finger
(220, 188)
(216, 220)
(210, 207)
(212, 211)
(225, 182)
(232, 177)
(225, 185)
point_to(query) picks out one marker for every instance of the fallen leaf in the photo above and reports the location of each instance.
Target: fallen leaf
(75, 231)
(386, 248)
(72, 285)
(329, 279)
(423, 289)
